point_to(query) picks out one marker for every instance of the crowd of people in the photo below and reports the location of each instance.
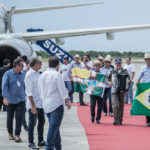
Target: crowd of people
(118, 84)
(25, 88)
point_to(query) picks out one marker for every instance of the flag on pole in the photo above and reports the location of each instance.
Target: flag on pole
(141, 103)
(88, 82)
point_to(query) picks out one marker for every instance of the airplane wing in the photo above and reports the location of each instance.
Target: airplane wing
(36, 36)
(29, 10)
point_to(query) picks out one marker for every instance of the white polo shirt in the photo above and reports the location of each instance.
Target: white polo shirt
(52, 90)
(31, 88)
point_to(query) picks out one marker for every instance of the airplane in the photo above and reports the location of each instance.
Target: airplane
(13, 44)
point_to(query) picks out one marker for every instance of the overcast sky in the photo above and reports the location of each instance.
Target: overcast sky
(111, 13)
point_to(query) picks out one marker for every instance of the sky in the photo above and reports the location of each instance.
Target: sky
(111, 13)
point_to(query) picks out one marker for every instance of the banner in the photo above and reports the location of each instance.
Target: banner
(141, 103)
(88, 81)
(53, 49)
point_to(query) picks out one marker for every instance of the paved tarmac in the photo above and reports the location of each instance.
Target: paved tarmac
(73, 134)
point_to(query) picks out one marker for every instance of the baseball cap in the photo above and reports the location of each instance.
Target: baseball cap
(118, 60)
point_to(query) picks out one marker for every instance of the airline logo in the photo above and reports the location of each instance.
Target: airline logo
(52, 48)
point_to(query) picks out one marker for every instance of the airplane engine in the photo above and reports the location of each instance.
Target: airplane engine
(12, 48)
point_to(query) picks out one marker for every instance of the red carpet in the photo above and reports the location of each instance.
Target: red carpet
(132, 135)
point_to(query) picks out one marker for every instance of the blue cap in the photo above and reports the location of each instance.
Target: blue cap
(118, 60)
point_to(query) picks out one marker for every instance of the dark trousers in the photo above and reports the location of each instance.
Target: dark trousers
(107, 94)
(81, 97)
(53, 135)
(24, 118)
(32, 123)
(18, 111)
(93, 100)
(147, 119)
(118, 106)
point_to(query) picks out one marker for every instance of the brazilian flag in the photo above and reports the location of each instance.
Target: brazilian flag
(141, 103)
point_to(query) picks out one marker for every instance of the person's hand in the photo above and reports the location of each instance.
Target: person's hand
(110, 83)
(68, 104)
(129, 81)
(34, 110)
(5, 101)
(136, 83)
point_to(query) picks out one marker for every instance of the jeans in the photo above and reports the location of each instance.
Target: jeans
(69, 87)
(107, 93)
(53, 136)
(24, 119)
(93, 100)
(32, 123)
(129, 94)
(17, 110)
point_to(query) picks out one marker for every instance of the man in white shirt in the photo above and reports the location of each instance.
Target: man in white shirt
(34, 104)
(64, 70)
(131, 69)
(88, 65)
(54, 95)
(106, 70)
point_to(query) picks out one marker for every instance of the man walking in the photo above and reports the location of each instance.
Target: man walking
(144, 76)
(13, 91)
(54, 95)
(107, 92)
(6, 65)
(118, 79)
(68, 83)
(34, 104)
(131, 69)
(78, 64)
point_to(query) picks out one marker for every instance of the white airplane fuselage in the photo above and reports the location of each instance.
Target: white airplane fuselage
(11, 46)
(14, 44)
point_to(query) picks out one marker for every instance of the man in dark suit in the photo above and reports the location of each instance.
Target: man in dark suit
(6, 65)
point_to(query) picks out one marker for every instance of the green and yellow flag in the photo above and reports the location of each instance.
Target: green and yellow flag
(88, 81)
(141, 103)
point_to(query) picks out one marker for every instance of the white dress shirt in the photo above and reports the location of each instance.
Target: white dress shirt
(31, 88)
(52, 90)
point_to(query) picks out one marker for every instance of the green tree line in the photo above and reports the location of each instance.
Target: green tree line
(95, 54)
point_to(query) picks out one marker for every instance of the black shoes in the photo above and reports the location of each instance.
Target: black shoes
(120, 123)
(92, 120)
(83, 104)
(148, 124)
(41, 144)
(33, 146)
(97, 121)
(117, 123)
